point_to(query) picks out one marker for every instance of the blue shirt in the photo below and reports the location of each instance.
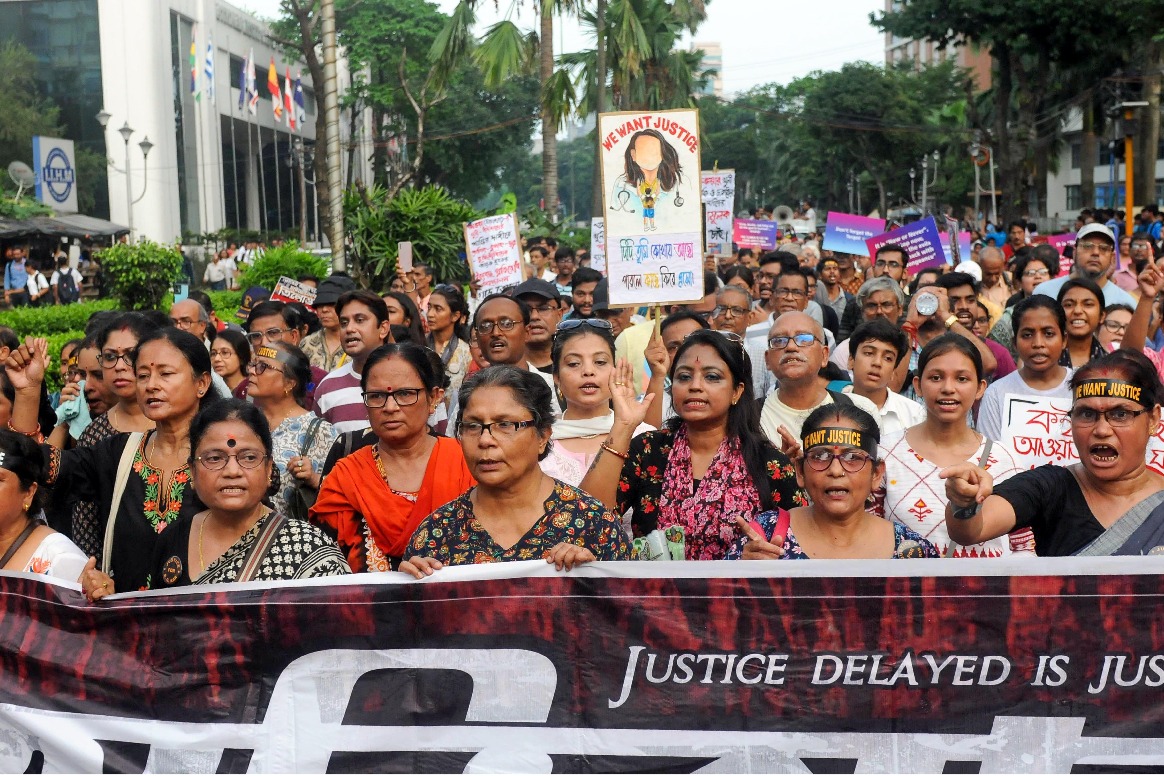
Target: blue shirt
(1112, 294)
(15, 276)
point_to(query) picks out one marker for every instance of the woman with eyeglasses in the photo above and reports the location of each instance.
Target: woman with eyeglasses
(708, 465)
(373, 499)
(1116, 318)
(229, 355)
(583, 360)
(516, 511)
(238, 537)
(839, 469)
(1110, 503)
(949, 381)
(140, 482)
(448, 332)
(116, 346)
(277, 382)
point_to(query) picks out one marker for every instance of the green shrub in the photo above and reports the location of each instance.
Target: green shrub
(44, 321)
(225, 302)
(288, 260)
(139, 275)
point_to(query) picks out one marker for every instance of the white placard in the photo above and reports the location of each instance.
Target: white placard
(291, 290)
(598, 245)
(493, 246)
(719, 198)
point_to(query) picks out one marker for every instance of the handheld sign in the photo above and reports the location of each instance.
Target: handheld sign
(291, 290)
(719, 197)
(1061, 243)
(754, 233)
(920, 240)
(404, 256)
(651, 213)
(847, 233)
(598, 245)
(493, 248)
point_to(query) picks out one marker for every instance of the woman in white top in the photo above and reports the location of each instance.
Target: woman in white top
(949, 380)
(26, 544)
(583, 359)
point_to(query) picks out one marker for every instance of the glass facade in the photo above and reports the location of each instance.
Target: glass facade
(63, 36)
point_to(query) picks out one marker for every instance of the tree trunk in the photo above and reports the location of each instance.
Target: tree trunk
(1088, 156)
(1009, 178)
(599, 104)
(1149, 125)
(549, 125)
(308, 41)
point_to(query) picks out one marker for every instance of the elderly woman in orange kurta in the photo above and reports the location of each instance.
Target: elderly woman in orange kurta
(374, 499)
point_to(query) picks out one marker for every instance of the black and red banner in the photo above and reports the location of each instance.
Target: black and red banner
(1046, 665)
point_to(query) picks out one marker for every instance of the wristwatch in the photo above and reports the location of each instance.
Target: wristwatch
(951, 321)
(965, 513)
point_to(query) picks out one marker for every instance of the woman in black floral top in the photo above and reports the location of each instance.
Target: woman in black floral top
(515, 512)
(710, 465)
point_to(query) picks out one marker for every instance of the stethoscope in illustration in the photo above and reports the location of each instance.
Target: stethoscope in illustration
(622, 197)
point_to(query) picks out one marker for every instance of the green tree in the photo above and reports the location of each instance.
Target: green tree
(140, 274)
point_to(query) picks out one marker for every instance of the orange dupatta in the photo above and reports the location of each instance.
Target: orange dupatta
(354, 493)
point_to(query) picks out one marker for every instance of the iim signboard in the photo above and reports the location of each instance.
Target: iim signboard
(55, 165)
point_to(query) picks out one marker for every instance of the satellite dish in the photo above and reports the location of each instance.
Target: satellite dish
(22, 175)
(782, 214)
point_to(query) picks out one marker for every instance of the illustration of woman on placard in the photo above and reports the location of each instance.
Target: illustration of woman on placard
(651, 177)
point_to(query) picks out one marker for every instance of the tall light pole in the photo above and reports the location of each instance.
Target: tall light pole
(331, 128)
(925, 160)
(145, 145)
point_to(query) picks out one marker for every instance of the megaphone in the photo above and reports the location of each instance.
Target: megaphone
(783, 215)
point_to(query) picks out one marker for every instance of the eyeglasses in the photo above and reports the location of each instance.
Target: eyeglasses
(881, 307)
(735, 312)
(247, 459)
(1115, 327)
(223, 353)
(109, 358)
(789, 292)
(852, 461)
(270, 335)
(801, 340)
(1118, 417)
(541, 309)
(404, 397)
(496, 429)
(75, 375)
(890, 264)
(184, 323)
(1037, 273)
(486, 327)
(259, 367)
(577, 323)
(1102, 247)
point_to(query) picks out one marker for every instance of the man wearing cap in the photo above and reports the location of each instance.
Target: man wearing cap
(324, 348)
(545, 312)
(1094, 252)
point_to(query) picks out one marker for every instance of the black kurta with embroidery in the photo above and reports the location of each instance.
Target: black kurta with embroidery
(149, 503)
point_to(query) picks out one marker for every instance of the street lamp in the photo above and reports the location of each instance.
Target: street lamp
(912, 176)
(925, 161)
(146, 146)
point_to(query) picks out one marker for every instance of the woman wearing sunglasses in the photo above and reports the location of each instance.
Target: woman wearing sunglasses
(839, 470)
(583, 360)
(237, 537)
(277, 382)
(709, 464)
(373, 499)
(1107, 504)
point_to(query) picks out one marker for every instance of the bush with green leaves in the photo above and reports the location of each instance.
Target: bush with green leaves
(139, 275)
(43, 321)
(285, 260)
(430, 218)
(225, 302)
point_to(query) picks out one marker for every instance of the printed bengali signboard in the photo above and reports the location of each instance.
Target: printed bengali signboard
(598, 245)
(1037, 431)
(651, 213)
(291, 290)
(935, 666)
(719, 200)
(493, 247)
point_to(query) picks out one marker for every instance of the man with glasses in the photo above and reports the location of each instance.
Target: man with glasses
(274, 321)
(890, 261)
(796, 354)
(877, 298)
(564, 264)
(363, 318)
(545, 312)
(732, 307)
(189, 316)
(1094, 255)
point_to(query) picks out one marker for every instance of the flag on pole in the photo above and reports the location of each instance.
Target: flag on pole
(242, 82)
(300, 106)
(252, 87)
(287, 97)
(209, 71)
(275, 91)
(194, 69)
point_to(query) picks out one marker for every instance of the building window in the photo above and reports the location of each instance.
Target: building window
(1104, 153)
(1074, 198)
(1076, 153)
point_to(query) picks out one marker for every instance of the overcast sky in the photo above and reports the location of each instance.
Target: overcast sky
(786, 39)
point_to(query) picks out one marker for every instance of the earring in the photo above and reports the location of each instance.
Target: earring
(26, 506)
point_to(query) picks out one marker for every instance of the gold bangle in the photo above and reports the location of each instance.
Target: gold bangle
(612, 451)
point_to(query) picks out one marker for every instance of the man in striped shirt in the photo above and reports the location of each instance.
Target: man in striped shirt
(363, 319)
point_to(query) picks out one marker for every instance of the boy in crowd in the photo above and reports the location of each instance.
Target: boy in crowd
(875, 350)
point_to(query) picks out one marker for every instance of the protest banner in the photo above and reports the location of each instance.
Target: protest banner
(755, 233)
(1061, 242)
(1024, 665)
(920, 240)
(847, 233)
(719, 201)
(964, 247)
(598, 245)
(651, 213)
(493, 247)
(1037, 431)
(291, 290)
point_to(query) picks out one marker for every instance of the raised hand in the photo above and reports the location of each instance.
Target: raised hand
(26, 365)
(628, 410)
(789, 445)
(656, 355)
(1151, 281)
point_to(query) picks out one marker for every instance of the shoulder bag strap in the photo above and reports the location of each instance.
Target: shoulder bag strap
(123, 470)
(985, 452)
(16, 545)
(259, 549)
(309, 437)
